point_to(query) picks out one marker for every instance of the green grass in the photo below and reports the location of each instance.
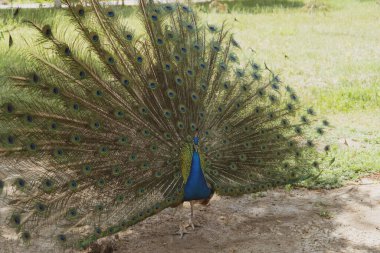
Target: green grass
(347, 97)
(356, 150)
(332, 56)
(256, 6)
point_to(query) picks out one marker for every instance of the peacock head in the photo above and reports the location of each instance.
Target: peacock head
(196, 137)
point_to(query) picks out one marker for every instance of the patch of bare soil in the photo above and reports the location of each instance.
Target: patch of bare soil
(340, 220)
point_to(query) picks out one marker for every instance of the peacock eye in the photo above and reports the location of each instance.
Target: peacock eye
(21, 182)
(25, 236)
(29, 118)
(160, 41)
(178, 80)
(10, 108)
(35, 78)
(216, 48)
(47, 30)
(129, 37)
(82, 74)
(111, 60)
(186, 9)
(10, 140)
(256, 76)
(168, 8)
(110, 14)
(16, 219)
(95, 38)
(62, 238)
(212, 28)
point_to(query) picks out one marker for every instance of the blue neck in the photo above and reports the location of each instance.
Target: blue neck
(196, 186)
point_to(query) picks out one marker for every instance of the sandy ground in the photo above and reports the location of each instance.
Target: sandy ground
(340, 220)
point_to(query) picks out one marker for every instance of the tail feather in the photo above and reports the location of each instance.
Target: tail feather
(99, 135)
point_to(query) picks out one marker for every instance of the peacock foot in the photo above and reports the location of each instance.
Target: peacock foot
(192, 224)
(182, 230)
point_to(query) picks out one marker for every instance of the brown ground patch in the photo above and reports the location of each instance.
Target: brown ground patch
(340, 220)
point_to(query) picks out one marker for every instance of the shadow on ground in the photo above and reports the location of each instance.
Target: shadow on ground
(340, 220)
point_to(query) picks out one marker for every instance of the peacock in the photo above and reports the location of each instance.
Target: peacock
(109, 127)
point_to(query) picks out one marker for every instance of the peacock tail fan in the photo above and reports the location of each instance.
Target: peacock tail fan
(110, 143)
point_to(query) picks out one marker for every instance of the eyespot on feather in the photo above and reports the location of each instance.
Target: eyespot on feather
(25, 236)
(40, 207)
(62, 238)
(31, 146)
(101, 182)
(94, 37)
(139, 59)
(79, 10)
(109, 13)
(129, 36)
(47, 185)
(46, 30)
(82, 74)
(15, 220)
(73, 185)
(171, 93)
(95, 125)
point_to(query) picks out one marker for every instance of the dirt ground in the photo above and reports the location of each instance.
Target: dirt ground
(340, 220)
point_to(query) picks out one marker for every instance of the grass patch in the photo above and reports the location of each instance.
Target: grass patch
(355, 140)
(255, 6)
(347, 97)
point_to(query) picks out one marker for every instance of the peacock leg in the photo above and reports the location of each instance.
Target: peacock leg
(192, 215)
(182, 225)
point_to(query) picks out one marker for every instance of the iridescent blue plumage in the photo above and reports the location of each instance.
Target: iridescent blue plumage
(196, 186)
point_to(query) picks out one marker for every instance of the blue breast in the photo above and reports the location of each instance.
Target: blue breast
(196, 187)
